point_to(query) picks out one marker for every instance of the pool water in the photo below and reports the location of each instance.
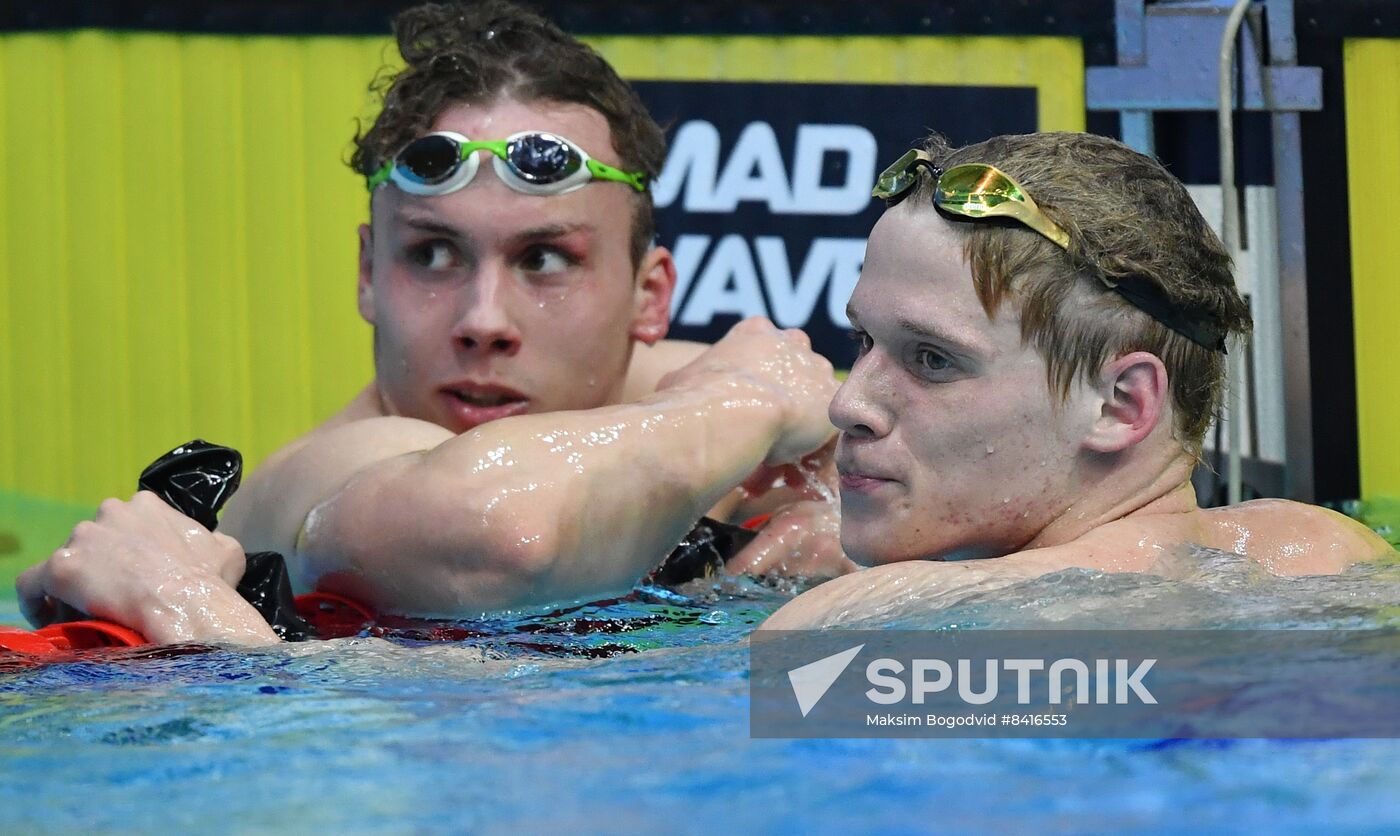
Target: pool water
(640, 722)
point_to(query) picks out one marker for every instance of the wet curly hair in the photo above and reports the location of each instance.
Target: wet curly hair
(1126, 215)
(480, 52)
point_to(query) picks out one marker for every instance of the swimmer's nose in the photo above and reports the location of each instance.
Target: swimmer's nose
(485, 323)
(853, 411)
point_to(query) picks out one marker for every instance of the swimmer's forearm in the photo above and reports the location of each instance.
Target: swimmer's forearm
(625, 484)
(187, 609)
(715, 435)
(541, 507)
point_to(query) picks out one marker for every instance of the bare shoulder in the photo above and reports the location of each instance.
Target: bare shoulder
(650, 363)
(902, 588)
(890, 590)
(1294, 538)
(268, 511)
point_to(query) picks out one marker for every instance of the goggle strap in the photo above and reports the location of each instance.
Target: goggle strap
(1149, 298)
(1141, 293)
(380, 177)
(603, 171)
(1040, 222)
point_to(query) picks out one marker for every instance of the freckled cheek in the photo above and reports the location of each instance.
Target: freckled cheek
(876, 541)
(957, 448)
(977, 477)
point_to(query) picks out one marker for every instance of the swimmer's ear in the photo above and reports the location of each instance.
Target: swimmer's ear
(366, 289)
(655, 282)
(1133, 399)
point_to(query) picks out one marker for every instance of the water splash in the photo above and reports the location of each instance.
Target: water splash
(812, 478)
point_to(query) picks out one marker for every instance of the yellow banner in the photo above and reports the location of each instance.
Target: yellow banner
(177, 224)
(1371, 67)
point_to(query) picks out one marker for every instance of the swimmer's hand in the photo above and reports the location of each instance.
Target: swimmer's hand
(779, 366)
(146, 566)
(801, 540)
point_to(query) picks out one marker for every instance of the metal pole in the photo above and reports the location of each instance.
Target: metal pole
(1230, 231)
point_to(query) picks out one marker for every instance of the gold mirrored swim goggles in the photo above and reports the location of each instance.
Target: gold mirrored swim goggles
(981, 190)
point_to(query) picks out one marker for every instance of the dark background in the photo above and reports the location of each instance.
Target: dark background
(899, 117)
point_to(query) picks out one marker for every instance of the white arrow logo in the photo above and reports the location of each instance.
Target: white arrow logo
(811, 682)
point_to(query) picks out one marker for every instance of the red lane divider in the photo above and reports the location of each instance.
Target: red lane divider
(333, 616)
(67, 637)
(26, 642)
(86, 635)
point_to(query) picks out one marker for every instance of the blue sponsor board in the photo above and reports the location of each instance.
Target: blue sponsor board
(765, 196)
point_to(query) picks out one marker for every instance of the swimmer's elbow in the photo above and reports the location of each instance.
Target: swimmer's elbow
(412, 549)
(524, 556)
(521, 549)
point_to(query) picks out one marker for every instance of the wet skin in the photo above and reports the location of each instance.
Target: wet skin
(488, 303)
(952, 446)
(513, 449)
(434, 490)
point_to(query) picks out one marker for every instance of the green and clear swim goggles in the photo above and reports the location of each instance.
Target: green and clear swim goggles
(981, 190)
(532, 162)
